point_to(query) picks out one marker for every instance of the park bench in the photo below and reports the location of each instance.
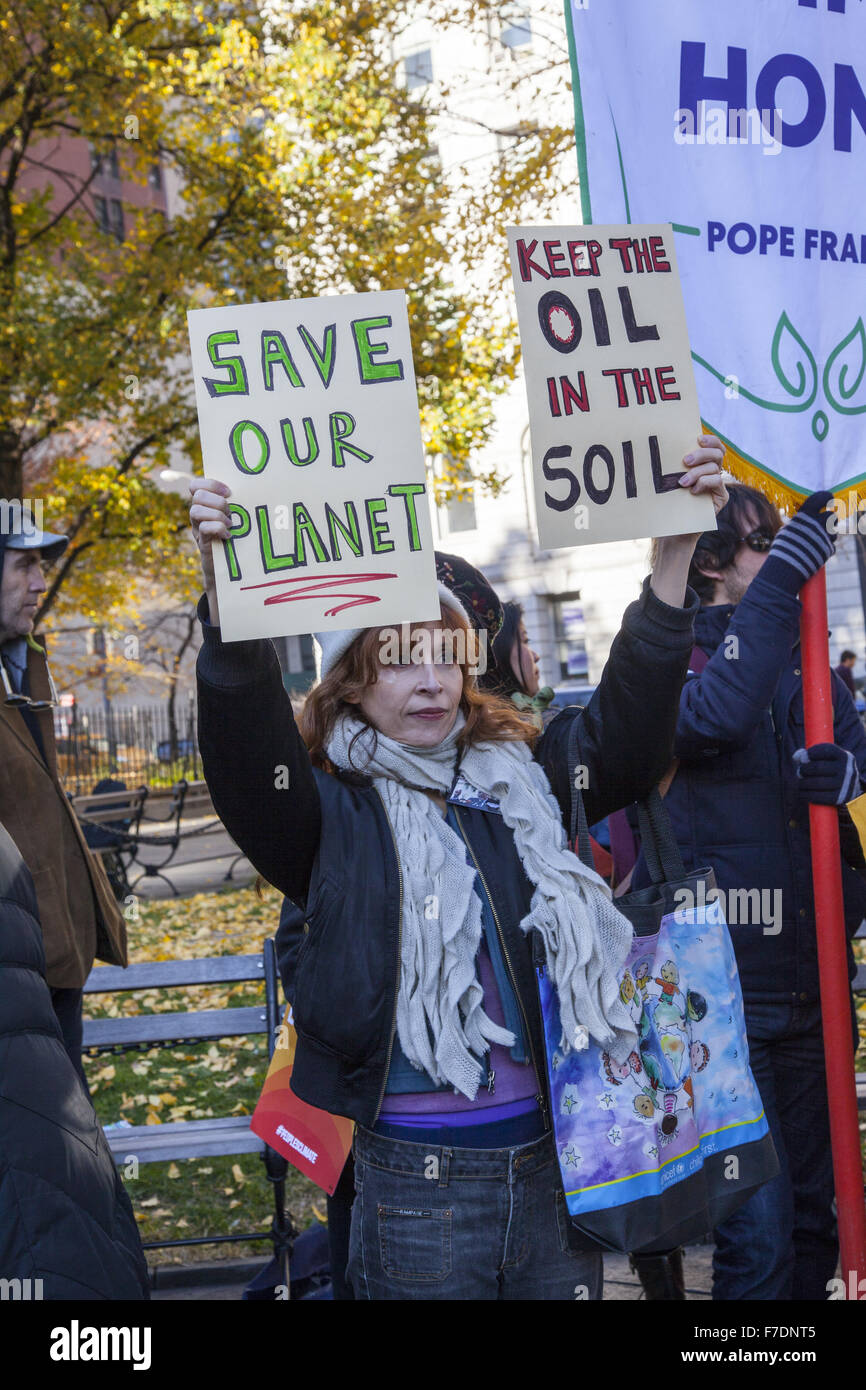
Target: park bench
(134, 821)
(111, 820)
(208, 1137)
(188, 811)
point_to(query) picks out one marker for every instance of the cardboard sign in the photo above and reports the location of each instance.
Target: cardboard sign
(316, 1142)
(308, 411)
(612, 401)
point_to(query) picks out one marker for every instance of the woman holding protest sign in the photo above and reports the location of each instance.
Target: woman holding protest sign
(418, 824)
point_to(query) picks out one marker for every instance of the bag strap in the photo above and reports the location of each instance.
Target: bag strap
(661, 851)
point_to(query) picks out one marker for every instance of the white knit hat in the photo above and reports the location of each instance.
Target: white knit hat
(334, 644)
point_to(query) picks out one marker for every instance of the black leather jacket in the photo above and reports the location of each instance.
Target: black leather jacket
(326, 841)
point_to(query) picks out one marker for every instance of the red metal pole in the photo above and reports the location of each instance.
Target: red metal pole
(832, 960)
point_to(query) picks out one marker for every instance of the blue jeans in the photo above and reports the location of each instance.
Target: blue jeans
(449, 1223)
(782, 1243)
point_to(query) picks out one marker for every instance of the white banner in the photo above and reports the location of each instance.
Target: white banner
(744, 124)
(307, 409)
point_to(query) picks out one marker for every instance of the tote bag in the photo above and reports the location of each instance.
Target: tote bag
(656, 1151)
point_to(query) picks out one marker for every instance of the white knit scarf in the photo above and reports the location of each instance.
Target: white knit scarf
(442, 1027)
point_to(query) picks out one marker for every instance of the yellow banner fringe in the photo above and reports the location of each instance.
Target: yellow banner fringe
(787, 498)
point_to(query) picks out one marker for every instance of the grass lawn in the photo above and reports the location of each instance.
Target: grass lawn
(196, 1197)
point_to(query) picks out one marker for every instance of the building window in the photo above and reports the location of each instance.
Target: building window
(109, 216)
(418, 68)
(516, 31)
(569, 626)
(154, 176)
(105, 164)
(115, 217)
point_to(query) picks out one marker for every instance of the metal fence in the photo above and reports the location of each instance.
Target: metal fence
(132, 745)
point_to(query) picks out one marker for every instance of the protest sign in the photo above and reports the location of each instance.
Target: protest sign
(612, 401)
(745, 126)
(308, 411)
(316, 1142)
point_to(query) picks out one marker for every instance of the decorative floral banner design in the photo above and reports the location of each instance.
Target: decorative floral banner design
(745, 126)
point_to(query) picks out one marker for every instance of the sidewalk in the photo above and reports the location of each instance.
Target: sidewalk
(189, 874)
(224, 1280)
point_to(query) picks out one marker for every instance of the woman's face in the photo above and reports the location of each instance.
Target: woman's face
(524, 663)
(416, 702)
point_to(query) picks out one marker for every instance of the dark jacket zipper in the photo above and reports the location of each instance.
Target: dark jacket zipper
(541, 1098)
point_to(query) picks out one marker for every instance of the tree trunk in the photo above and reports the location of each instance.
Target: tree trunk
(11, 465)
(173, 681)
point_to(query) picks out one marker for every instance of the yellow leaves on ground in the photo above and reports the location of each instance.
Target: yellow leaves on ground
(191, 1082)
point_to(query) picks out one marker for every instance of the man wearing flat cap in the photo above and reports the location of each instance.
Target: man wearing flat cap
(79, 916)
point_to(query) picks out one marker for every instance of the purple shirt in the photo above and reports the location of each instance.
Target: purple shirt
(512, 1081)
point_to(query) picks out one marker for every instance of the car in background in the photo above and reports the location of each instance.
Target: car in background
(576, 694)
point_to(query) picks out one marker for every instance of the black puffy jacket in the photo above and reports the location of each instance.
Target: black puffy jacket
(326, 841)
(64, 1216)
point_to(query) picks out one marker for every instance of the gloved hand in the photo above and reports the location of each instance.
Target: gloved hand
(802, 546)
(828, 774)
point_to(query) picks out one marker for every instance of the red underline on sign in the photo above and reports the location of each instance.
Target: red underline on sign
(303, 588)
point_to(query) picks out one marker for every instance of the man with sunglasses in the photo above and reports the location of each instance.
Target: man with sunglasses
(79, 917)
(739, 801)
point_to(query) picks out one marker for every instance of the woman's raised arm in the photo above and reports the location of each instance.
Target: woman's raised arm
(255, 762)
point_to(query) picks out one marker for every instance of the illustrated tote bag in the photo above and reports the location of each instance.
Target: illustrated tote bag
(657, 1150)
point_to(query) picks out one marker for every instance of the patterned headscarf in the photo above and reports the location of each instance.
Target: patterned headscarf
(480, 600)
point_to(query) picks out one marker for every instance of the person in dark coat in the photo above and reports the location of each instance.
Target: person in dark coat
(66, 1223)
(405, 779)
(739, 802)
(845, 670)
